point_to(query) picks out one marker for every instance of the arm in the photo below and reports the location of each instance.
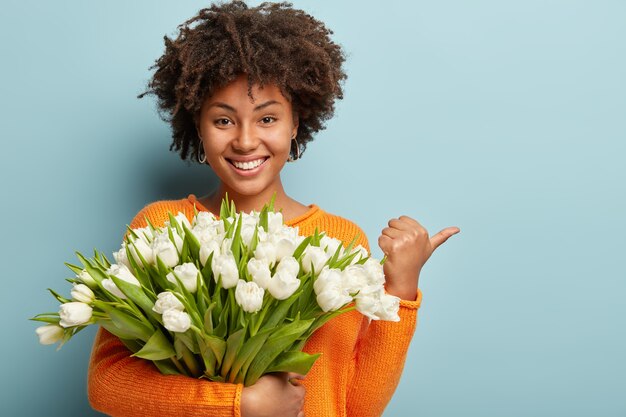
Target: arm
(379, 359)
(122, 385)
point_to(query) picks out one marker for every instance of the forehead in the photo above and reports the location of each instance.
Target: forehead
(236, 94)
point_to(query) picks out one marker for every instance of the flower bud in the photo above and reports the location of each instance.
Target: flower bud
(176, 321)
(315, 258)
(283, 285)
(225, 267)
(260, 272)
(249, 296)
(187, 273)
(82, 293)
(167, 301)
(87, 279)
(49, 334)
(74, 314)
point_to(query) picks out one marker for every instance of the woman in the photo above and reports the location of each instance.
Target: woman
(245, 89)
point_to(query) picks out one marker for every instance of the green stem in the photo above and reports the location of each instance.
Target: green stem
(191, 362)
(179, 366)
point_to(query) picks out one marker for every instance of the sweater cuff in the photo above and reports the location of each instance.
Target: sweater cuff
(237, 405)
(412, 304)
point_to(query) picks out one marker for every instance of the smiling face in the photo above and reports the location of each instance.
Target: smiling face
(247, 141)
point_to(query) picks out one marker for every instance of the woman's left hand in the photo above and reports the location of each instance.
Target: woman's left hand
(407, 246)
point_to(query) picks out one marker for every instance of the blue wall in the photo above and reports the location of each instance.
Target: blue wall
(506, 119)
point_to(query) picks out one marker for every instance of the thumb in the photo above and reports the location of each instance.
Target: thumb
(437, 239)
(294, 378)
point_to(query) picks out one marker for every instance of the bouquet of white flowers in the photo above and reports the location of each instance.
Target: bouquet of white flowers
(227, 299)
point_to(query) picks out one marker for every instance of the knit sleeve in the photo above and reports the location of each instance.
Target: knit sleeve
(378, 360)
(122, 385)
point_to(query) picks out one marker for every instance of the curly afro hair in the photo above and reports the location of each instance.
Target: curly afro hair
(271, 43)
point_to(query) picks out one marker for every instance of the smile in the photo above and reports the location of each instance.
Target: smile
(248, 167)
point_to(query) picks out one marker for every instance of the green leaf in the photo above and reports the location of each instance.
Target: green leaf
(174, 223)
(130, 326)
(301, 247)
(75, 269)
(233, 344)
(298, 362)
(137, 295)
(156, 348)
(277, 342)
(166, 367)
(280, 312)
(235, 247)
(192, 242)
(59, 297)
(248, 352)
(217, 346)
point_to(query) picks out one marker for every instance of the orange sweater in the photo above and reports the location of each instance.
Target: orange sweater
(355, 376)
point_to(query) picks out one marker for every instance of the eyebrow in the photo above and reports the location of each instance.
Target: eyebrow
(232, 109)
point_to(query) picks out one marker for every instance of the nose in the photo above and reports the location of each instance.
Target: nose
(246, 139)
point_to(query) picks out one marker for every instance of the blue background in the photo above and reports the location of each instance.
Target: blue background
(504, 118)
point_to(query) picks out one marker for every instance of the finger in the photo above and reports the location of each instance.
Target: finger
(391, 232)
(385, 244)
(442, 236)
(301, 414)
(295, 379)
(411, 221)
(401, 224)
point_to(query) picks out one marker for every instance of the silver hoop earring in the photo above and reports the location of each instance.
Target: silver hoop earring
(291, 157)
(201, 152)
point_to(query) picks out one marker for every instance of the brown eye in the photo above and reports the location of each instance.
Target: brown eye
(219, 122)
(268, 119)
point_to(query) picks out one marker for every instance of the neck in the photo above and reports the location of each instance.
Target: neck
(247, 203)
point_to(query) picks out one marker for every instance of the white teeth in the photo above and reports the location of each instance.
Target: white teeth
(248, 165)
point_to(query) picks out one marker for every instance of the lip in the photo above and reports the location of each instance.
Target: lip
(249, 172)
(247, 158)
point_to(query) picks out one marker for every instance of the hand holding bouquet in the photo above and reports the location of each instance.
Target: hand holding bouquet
(226, 299)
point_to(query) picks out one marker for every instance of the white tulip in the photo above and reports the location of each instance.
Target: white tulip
(283, 285)
(121, 257)
(123, 273)
(330, 292)
(314, 257)
(181, 218)
(187, 273)
(87, 279)
(176, 321)
(247, 233)
(225, 267)
(389, 306)
(227, 244)
(204, 218)
(144, 248)
(368, 301)
(375, 273)
(206, 249)
(82, 293)
(274, 221)
(330, 245)
(249, 296)
(165, 250)
(74, 314)
(167, 301)
(266, 251)
(355, 277)
(49, 334)
(289, 265)
(260, 272)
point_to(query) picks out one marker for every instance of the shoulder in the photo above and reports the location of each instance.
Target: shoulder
(157, 212)
(335, 226)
